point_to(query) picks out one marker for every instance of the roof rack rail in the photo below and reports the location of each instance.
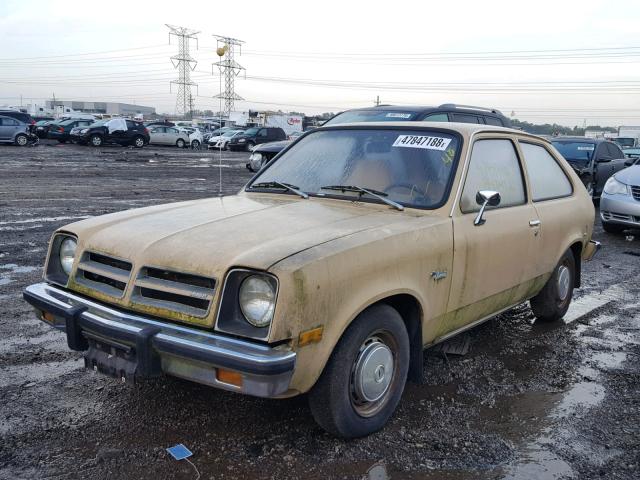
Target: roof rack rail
(384, 105)
(455, 105)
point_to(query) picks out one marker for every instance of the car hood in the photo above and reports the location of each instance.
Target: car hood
(210, 236)
(272, 146)
(630, 176)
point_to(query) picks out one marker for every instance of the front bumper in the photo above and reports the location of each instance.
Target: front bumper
(148, 347)
(590, 250)
(620, 209)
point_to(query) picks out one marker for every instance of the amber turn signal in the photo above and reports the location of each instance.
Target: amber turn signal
(310, 336)
(230, 377)
(48, 317)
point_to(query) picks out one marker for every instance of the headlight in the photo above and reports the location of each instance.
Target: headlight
(257, 298)
(84, 130)
(67, 254)
(242, 140)
(256, 157)
(614, 187)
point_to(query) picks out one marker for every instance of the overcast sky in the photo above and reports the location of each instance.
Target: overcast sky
(543, 61)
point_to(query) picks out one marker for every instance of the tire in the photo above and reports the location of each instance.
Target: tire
(612, 227)
(552, 302)
(95, 140)
(21, 140)
(249, 145)
(342, 401)
(180, 143)
(195, 145)
(138, 142)
(62, 141)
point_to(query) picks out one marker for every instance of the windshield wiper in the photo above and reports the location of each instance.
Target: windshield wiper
(368, 191)
(285, 186)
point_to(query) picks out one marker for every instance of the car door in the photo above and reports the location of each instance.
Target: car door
(172, 135)
(618, 158)
(4, 128)
(262, 136)
(8, 128)
(602, 167)
(492, 266)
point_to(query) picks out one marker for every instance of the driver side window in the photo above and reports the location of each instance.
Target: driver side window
(494, 166)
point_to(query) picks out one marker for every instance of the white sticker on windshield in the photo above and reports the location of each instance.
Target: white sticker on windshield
(588, 147)
(422, 141)
(398, 115)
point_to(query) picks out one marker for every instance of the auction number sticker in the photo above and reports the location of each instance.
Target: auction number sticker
(398, 115)
(588, 147)
(422, 141)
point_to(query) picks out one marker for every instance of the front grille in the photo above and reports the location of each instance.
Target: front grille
(167, 289)
(635, 191)
(103, 273)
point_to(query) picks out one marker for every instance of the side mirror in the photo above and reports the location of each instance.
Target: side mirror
(485, 198)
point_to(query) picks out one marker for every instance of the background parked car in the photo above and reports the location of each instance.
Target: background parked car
(168, 136)
(41, 128)
(221, 141)
(256, 136)
(632, 152)
(447, 112)
(262, 154)
(20, 116)
(116, 130)
(13, 130)
(620, 201)
(593, 159)
(62, 131)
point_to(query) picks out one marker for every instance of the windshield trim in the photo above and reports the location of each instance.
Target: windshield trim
(363, 126)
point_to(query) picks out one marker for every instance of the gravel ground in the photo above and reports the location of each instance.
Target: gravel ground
(526, 401)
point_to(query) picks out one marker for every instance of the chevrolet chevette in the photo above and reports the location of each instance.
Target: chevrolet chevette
(356, 248)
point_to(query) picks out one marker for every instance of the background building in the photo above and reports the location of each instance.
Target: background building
(109, 108)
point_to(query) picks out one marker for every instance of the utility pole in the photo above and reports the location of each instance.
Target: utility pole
(185, 64)
(377, 101)
(229, 69)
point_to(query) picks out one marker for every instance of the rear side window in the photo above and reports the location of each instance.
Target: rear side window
(494, 166)
(614, 151)
(464, 118)
(8, 122)
(493, 121)
(546, 178)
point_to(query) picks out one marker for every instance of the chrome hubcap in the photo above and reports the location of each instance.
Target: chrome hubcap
(22, 141)
(564, 281)
(373, 372)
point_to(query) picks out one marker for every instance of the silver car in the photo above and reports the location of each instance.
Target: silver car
(168, 136)
(13, 131)
(620, 200)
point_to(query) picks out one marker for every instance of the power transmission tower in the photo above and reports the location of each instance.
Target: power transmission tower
(229, 69)
(185, 64)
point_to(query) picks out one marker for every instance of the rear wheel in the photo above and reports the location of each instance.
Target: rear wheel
(249, 146)
(363, 380)
(95, 140)
(612, 227)
(554, 299)
(138, 142)
(21, 140)
(180, 143)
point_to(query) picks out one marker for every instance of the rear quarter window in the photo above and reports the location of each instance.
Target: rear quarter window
(547, 179)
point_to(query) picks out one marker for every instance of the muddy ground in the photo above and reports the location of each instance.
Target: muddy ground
(526, 401)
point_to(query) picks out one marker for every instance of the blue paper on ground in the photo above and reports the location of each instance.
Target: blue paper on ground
(179, 452)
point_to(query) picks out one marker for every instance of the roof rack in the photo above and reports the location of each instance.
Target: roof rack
(454, 105)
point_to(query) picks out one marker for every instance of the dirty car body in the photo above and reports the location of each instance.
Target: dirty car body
(368, 243)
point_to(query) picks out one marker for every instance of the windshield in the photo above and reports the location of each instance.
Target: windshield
(231, 133)
(251, 131)
(411, 167)
(575, 151)
(625, 142)
(371, 116)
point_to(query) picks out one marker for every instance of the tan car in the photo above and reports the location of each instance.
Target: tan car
(355, 249)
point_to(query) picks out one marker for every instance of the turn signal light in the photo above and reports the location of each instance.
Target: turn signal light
(48, 317)
(229, 376)
(310, 336)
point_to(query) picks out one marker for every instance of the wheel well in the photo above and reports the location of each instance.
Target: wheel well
(409, 309)
(576, 249)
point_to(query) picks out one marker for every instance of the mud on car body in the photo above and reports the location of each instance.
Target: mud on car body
(367, 243)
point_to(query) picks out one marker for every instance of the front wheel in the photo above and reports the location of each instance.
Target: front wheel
(249, 146)
(138, 142)
(95, 140)
(195, 144)
(180, 143)
(363, 380)
(21, 140)
(554, 299)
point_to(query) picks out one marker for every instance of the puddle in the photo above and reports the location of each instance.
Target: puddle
(5, 281)
(584, 305)
(14, 268)
(537, 462)
(37, 372)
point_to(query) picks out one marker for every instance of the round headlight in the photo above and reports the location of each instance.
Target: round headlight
(67, 252)
(614, 187)
(257, 300)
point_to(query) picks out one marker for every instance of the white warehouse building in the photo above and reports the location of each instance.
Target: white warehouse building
(109, 108)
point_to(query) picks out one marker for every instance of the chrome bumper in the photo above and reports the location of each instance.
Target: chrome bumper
(148, 348)
(590, 250)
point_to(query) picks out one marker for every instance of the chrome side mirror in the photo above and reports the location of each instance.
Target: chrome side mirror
(485, 198)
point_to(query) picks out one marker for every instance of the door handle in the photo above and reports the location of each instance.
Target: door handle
(534, 223)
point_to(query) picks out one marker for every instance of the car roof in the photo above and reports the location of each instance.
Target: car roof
(578, 138)
(429, 108)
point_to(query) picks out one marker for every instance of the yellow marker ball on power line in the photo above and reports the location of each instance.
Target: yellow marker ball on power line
(221, 51)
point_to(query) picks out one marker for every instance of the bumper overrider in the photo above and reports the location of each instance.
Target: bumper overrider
(130, 346)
